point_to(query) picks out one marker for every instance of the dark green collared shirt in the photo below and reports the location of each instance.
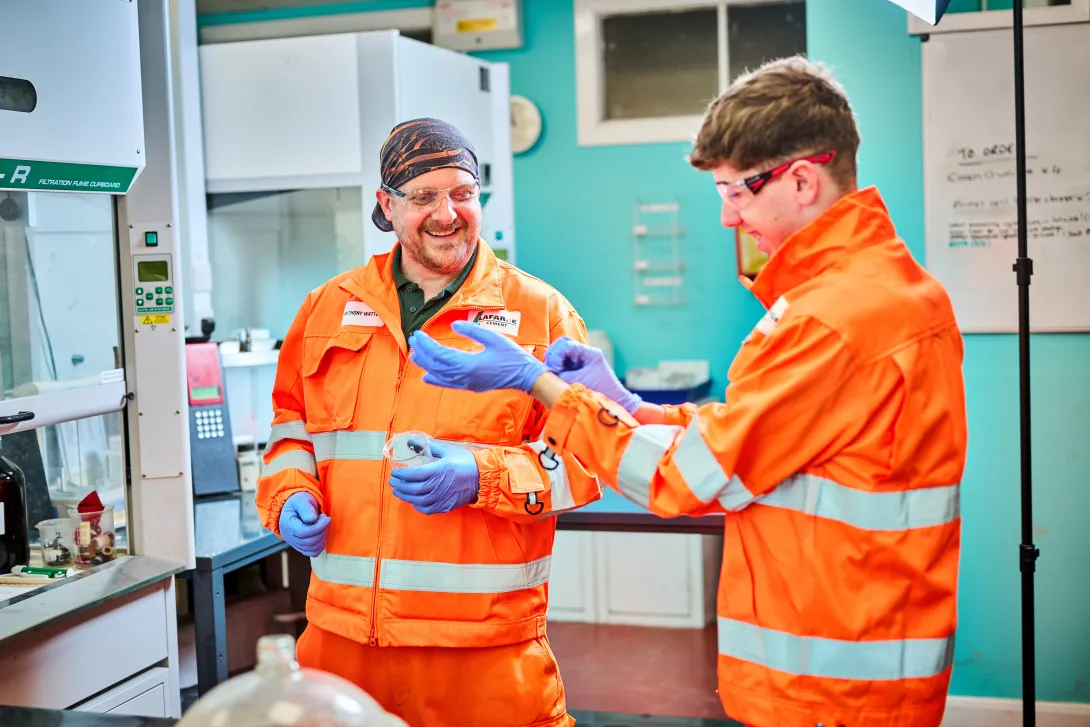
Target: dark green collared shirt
(415, 311)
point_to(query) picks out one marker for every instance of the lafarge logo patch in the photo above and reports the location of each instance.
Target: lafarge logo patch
(358, 313)
(501, 321)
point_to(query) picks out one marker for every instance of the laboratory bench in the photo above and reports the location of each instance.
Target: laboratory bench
(103, 639)
(17, 717)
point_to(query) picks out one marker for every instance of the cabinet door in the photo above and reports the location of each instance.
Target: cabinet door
(143, 695)
(571, 578)
(651, 579)
(152, 703)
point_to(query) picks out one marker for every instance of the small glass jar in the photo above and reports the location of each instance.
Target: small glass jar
(93, 535)
(56, 540)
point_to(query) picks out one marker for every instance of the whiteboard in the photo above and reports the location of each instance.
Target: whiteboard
(969, 175)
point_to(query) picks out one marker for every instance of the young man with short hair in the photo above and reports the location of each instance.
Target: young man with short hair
(838, 454)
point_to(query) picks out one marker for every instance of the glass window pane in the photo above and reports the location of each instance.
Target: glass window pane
(269, 249)
(58, 291)
(764, 31)
(62, 464)
(660, 64)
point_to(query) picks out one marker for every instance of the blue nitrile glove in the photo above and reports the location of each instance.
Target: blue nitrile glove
(503, 364)
(302, 524)
(578, 363)
(440, 486)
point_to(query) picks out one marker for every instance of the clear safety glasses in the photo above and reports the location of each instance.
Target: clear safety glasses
(429, 199)
(741, 193)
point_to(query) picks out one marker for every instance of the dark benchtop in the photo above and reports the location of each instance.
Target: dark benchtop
(21, 717)
(88, 589)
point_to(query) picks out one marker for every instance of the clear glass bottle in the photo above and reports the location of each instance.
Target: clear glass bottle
(280, 693)
(14, 533)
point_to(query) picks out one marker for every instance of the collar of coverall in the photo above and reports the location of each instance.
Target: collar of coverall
(375, 283)
(855, 221)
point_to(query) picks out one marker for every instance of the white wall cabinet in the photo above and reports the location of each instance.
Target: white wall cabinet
(636, 579)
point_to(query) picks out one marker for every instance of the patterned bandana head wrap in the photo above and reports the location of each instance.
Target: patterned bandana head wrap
(417, 147)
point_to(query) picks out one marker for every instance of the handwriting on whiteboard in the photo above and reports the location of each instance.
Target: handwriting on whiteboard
(982, 207)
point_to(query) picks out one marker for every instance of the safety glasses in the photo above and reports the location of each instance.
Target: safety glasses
(428, 199)
(741, 193)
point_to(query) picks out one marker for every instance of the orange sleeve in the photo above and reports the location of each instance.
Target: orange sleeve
(533, 481)
(781, 414)
(290, 465)
(681, 414)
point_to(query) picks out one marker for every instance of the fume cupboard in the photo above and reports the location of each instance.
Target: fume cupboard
(92, 389)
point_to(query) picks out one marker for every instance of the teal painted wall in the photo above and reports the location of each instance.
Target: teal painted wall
(573, 212)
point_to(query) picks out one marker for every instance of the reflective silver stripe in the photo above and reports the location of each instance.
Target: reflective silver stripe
(294, 459)
(640, 460)
(412, 575)
(349, 570)
(408, 575)
(901, 510)
(343, 444)
(359, 445)
(834, 659)
(559, 486)
(809, 494)
(296, 430)
(702, 473)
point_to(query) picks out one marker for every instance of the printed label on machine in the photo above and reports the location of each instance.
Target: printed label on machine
(358, 313)
(109, 377)
(501, 321)
(155, 320)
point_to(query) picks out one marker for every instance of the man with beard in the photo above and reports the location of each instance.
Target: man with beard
(429, 583)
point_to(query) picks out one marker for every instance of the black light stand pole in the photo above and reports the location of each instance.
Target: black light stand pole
(1023, 268)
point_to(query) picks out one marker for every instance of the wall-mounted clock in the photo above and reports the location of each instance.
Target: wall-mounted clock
(525, 124)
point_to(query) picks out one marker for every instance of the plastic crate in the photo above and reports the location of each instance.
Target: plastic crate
(674, 396)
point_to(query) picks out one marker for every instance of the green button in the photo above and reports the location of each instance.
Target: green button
(169, 290)
(150, 296)
(159, 291)
(151, 239)
(139, 291)
(170, 301)
(158, 301)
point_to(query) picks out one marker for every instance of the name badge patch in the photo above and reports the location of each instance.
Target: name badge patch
(501, 321)
(358, 313)
(773, 316)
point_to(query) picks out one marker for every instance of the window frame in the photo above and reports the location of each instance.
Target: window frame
(592, 128)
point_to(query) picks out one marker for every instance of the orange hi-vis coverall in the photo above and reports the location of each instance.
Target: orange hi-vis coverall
(473, 578)
(837, 458)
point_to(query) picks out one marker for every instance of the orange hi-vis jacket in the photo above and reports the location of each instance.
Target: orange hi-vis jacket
(390, 576)
(837, 459)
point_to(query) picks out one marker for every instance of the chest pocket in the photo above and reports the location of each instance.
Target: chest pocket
(332, 376)
(490, 417)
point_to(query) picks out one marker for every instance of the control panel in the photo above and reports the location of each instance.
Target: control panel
(153, 284)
